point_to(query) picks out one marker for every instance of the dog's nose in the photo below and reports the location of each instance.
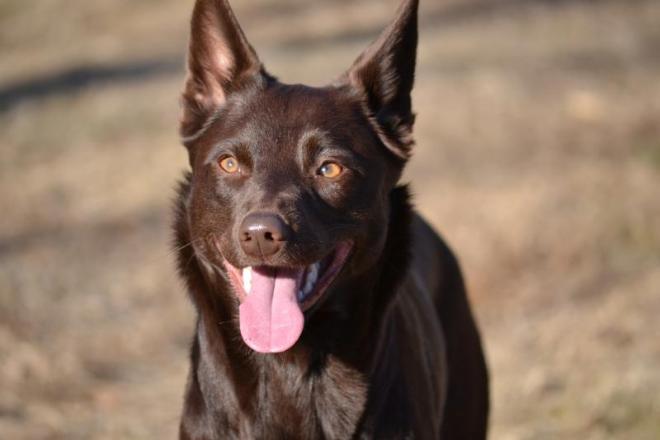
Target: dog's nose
(263, 235)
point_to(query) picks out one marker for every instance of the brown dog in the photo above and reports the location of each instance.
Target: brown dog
(326, 307)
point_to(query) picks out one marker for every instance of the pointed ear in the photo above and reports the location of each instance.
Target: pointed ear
(384, 75)
(219, 60)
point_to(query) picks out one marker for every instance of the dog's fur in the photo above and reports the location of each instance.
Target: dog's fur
(391, 350)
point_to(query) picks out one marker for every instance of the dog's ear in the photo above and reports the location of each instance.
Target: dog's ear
(220, 60)
(384, 75)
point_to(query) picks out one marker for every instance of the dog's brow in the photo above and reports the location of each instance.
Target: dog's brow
(315, 135)
(225, 145)
(310, 142)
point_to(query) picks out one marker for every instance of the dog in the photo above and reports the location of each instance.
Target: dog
(326, 307)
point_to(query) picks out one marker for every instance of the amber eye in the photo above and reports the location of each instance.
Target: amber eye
(331, 170)
(229, 164)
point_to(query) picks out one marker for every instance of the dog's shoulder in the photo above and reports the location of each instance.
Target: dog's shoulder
(415, 311)
(434, 268)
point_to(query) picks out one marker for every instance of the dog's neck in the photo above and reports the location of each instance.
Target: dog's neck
(316, 374)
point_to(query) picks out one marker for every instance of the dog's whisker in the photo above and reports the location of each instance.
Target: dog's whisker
(170, 253)
(184, 246)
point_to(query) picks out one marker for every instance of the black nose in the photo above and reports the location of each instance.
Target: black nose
(263, 235)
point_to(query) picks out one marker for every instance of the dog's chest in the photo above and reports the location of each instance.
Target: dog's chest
(327, 404)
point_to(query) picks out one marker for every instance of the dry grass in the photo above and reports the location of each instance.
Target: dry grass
(538, 158)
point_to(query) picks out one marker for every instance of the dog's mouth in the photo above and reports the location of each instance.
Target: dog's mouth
(274, 299)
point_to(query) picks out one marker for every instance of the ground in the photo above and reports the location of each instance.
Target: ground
(537, 158)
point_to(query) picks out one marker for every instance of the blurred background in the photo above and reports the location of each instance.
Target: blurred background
(538, 159)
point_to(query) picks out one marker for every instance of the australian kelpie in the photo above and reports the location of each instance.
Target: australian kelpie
(327, 309)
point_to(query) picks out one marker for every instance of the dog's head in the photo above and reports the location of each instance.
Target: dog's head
(290, 184)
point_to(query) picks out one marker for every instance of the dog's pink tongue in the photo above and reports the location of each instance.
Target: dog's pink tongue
(270, 318)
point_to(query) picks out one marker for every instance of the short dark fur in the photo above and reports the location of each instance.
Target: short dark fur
(391, 351)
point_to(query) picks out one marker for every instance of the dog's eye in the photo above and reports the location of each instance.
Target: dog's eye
(331, 170)
(228, 164)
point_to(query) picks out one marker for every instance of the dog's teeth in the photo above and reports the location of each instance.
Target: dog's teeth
(313, 272)
(312, 276)
(310, 281)
(308, 286)
(247, 279)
